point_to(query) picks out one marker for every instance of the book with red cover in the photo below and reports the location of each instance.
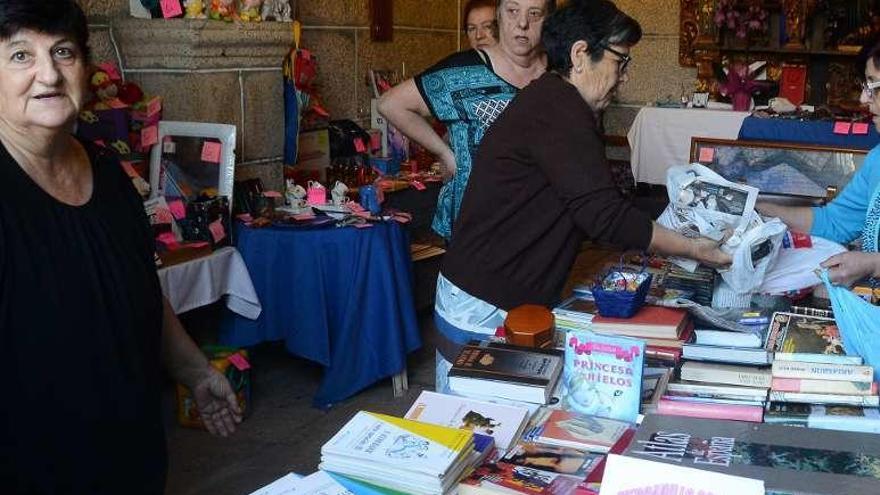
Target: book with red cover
(653, 322)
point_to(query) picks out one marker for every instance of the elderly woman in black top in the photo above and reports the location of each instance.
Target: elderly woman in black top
(84, 327)
(540, 185)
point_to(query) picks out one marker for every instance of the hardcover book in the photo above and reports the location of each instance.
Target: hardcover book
(810, 339)
(787, 459)
(651, 321)
(843, 418)
(510, 372)
(748, 376)
(503, 422)
(824, 386)
(603, 375)
(832, 399)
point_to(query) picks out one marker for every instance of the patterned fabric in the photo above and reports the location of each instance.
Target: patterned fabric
(872, 224)
(464, 93)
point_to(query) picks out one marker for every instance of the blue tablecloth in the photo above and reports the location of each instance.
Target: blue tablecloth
(816, 133)
(341, 297)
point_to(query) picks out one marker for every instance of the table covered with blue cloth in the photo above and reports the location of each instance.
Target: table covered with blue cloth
(814, 133)
(341, 297)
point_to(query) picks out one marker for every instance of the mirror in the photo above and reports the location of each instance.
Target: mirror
(192, 161)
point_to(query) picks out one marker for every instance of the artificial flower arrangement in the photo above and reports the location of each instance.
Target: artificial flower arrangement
(741, 19)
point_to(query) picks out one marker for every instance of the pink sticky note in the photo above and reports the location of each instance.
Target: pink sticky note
(217, 230)
(167, 238)
(149, 136)
(361, 225)
(707, 155)
(271, 194)
(171, 8)
(841, 127)
(245, 217)
(178, 210)
(154, 106)
(239, 361)
(418, 185)
(860, 128)
(359, 146)
(211, 152)
(129, 170)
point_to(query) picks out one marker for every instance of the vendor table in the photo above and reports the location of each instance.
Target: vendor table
(203, 281)
(341, 297)
(814, 133)
(661, 137)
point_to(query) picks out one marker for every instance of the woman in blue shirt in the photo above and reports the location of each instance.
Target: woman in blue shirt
(855, 213)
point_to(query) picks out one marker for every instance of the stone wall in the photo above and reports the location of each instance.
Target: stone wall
(210, 71)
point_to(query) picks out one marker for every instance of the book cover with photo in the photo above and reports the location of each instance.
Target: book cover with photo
(787, 459)
(580, 431)
(552, 459)
(603, 375)
(511, 479)
(810, 339)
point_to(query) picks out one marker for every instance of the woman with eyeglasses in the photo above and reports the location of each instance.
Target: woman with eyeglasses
(467, 91)
(541, 186)
(479, 23)
(855, 212)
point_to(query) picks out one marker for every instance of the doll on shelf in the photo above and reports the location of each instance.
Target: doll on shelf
(249, 10)
(222, 10)
(277, 10)
(195, 9)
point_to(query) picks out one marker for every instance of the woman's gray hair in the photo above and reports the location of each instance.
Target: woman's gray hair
(598, 22)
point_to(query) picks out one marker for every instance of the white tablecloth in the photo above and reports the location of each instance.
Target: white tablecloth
(205, 280)
(661, 137)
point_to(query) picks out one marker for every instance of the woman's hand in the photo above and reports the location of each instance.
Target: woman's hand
(846, 268)
(218, 406)
(706, 251)
(447, 165)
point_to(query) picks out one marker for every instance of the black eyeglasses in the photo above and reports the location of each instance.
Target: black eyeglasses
(622, 61)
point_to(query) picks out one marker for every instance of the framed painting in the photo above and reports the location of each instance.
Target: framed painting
(795, 171)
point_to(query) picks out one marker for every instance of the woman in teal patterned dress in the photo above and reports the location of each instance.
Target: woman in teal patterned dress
(855, 213)
(467, 91)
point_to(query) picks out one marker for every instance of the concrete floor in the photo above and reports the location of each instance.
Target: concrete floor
(284, 432)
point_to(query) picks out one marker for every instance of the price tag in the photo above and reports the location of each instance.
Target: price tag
(860, 128)
(359, 146)
(154, 106)
(841, 127)
(171, 8)
(149, 136)
(271, 194)
(211, 152)
(239, 361)
(217, 230)
(707, 155)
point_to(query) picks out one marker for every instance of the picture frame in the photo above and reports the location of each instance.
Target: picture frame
(791, 173)
(700, 100)
(182, 161)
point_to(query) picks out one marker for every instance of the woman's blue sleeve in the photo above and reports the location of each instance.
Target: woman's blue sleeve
(843, 219)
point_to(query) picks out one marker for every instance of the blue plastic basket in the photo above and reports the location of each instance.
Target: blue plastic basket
(620, 303)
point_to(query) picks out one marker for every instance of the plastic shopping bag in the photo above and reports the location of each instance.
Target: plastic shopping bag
(858, 322)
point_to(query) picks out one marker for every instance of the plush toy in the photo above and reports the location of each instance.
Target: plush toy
(102, 85)
(195, 9)
(249, 10)
(277, 10)
(222, 10)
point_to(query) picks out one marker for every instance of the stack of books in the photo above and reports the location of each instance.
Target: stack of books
(399, 454)
(811, 366)
(718, 391)
(727, 346)
(657, 326)
(491, 369)
(575, 313)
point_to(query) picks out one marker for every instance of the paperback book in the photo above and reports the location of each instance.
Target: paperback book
(577, 464)
(748, 376)
(503, 422)
(492, 478)
(832, 399)
(843, 418)
(823, 371)
(798, 460)
(603, 375)
(579, 431)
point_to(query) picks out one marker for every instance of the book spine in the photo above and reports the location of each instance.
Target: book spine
(823, 371)
(747, 378)
(831, 399)
(823, 386)
(807, 357)
(804, 310)
(754, 414)
(497, 377)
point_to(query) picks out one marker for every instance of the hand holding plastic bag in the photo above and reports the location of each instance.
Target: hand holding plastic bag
(858, 322)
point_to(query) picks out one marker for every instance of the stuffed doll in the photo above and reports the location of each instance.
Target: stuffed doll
(277, 10)
(222, 10)
(195, 9)
(249, 10)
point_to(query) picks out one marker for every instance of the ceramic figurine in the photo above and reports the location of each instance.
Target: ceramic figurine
(195, 9)
(277, 10)
(249, 10)
(222, 10)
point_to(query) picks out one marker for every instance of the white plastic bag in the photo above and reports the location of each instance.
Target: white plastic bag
(753, 252)
(793, 269)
